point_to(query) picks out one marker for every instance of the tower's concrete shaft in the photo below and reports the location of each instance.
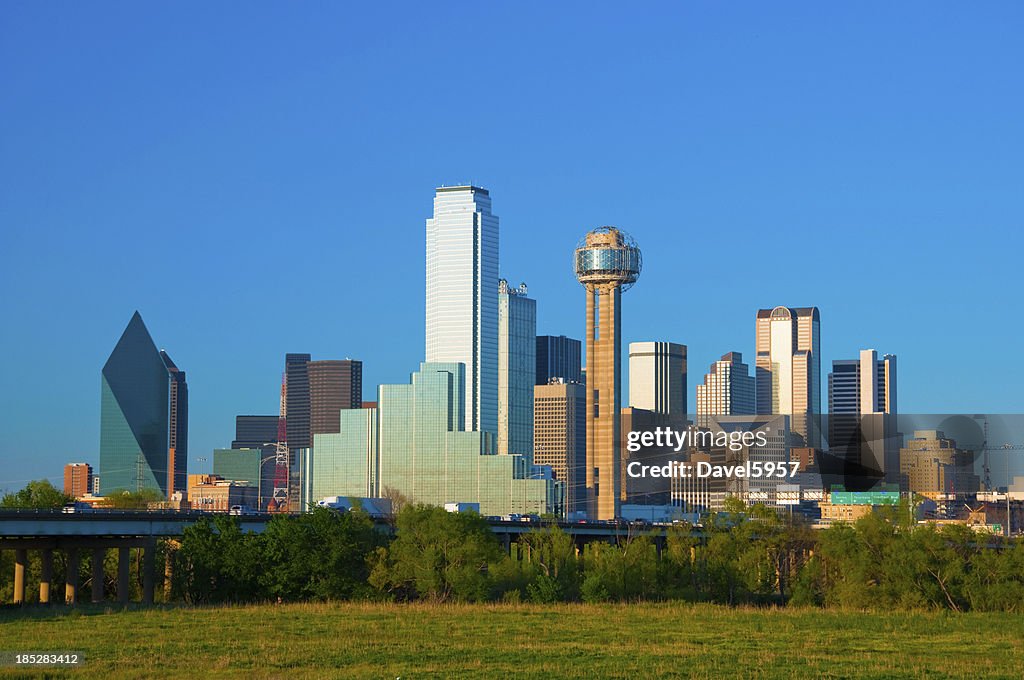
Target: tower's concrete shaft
(604, 397)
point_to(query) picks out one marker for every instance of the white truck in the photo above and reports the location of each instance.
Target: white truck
(462, 507)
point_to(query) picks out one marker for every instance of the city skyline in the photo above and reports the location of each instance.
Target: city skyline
(284, 167)
(205, 460)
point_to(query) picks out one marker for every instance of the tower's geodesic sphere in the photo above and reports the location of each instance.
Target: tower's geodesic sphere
(608, 255)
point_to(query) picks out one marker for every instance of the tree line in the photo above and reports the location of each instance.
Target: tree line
(742, 555)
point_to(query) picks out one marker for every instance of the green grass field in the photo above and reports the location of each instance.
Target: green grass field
(578, 641)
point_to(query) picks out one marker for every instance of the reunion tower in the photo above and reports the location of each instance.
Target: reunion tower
(607, 262)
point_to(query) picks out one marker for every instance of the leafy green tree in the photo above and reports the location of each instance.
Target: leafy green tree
(620, 572)
(677, 568)
(320, 555)
(553, 553)
(995, 579)
(437, 556)
(39, 495)
(217, 562)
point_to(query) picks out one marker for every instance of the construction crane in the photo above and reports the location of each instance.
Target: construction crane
(984, 449)
(279, 500)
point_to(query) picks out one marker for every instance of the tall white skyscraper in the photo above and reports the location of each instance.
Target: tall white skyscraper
(517, 369)
(462, 298)
(657, 377)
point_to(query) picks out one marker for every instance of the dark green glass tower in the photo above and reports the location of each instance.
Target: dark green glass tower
(143, 417)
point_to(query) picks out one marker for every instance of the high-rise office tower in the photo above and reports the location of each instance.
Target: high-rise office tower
(462, 307)
(255, 444)
(297, 422)
(315, 394)
(657, 377)
(607, 262)
(177, 440)
(517, 366)
(253, 432)
(143, 416)
(728, 389)
(862, 412)
(77, 479)
(558, 357)
(560, 437)
(333, 385)
(863, 385)
(788, 373)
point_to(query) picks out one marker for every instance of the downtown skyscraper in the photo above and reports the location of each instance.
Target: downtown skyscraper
(462, 299)
(517, 365)
(727, 390)
(788, 369)
(334, 385)
(862, 413)
(559, 357)
(143, 417)
(657, 377)
(560, 437)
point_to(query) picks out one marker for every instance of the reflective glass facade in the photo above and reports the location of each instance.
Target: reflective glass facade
(425, 453)
(461, 302)
(608, 261)
(253, 432)
(559, 357)
(252, 465)
(345, 464)
(143, 416)
(517, 365)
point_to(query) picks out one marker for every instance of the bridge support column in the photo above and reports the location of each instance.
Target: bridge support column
(20, 561)
(123, 566)
(148, 571)
(71, 582)
(46, 576)
(98, 555)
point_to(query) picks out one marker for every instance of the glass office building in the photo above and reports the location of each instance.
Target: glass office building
(253, 432)
(559, 357)
(256, 466)
(143, 416)
(426, 454)
(345, 463)
(414, 444)
(461, 304)
(517, 365)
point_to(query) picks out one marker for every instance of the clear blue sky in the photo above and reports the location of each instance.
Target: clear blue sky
(254, 177)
